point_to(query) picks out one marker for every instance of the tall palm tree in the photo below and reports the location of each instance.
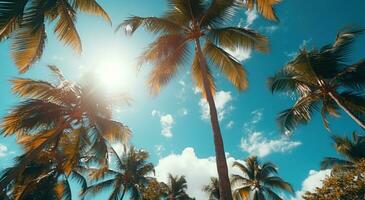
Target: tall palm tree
(323, 80)
(212, 189)
(264, 7)
(131, 175)
(61, 117)
(258, 181)
(189, 23)
(351, 150)
(176, 188)
(24, 22)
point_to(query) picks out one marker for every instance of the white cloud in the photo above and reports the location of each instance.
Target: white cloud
(221, 99)
(197, 171)
(230, 124)
(313, 181)
(166, 121)
(3, 150)
(196, 90)
(255, 142)
(259, 145)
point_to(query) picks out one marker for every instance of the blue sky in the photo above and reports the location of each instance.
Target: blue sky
(172, 126)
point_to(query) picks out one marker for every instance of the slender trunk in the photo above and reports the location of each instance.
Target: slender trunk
(123, 193)
(339, 103)
(224, 183)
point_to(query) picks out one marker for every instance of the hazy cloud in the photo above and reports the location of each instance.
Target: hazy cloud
(222, 99)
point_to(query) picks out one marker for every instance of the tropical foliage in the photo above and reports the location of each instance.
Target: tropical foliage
(264, 7)
(212, 189)
(70, 123)
(323, 80)
(24, 21)
(196, 23)
(351, 150)
(258, 181)
(132, 173)
(348, 185)
(176, 188)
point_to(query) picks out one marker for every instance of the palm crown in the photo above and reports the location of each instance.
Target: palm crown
(212, 189)
(176, 188)
(352, 150)
(323, 80)
(24, 21)
(188, 23)
(64, 118)
(132, 173)
(258, 181)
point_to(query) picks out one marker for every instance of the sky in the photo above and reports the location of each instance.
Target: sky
(174, 125)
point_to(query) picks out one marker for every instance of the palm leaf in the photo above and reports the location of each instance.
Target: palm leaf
(218, 12)
(11, 13)
(329, 162)
(264, 7)
(227, 64)
(91, 7)
(234, 37)
(65, 27)
(151, 24)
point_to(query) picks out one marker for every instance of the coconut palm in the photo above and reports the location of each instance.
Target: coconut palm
(132, 173)
(176, 188)
(46, 177)
(197, 23)
(351, 150)
(264, 7)
(61, 117)
(212, 189)
(323, 80)
(24, 22)
(259, 181)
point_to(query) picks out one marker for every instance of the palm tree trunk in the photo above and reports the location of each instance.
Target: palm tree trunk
(123, 193)
(339, 103)
(224, 183)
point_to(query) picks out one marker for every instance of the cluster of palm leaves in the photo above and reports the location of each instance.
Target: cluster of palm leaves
(61, 126)
(323, 80)
(257, 181)
(24, 22)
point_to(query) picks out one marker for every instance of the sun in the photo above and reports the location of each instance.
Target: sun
(114, 75)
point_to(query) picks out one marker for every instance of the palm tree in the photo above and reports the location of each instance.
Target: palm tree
(46, 177)
(352, 150)
(194, 23)
(62, 117)
(131, 175)
(212, 189)
(176, 188)
(264, 7)
(258, 181)
(322, 80)
(24, 21)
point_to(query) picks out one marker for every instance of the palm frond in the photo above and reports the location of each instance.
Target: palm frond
(300, 113)
(344, 40)
(100, 186)
(218, 12)
(228, 65)
(353, 76)
(113, 131)
(11, 13)
(91, 7)
(264, 7)
(27, 46)
(286, 80)
(329, 162)
(65, 27)
(155, 25)
(277, 182)
(235, 37)
(63, 190)
(272, 195)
